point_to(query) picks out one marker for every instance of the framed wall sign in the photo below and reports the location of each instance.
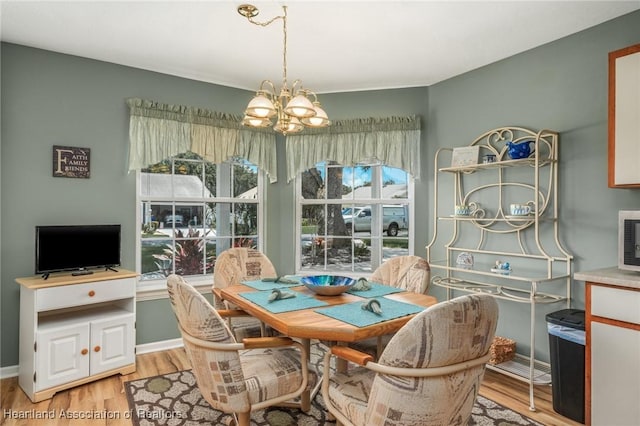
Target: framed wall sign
(465, 156)
(71, 162)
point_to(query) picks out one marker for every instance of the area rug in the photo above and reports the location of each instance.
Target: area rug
(174, 400)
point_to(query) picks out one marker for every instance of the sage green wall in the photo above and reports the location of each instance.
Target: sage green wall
(53, 99)
(560, 86)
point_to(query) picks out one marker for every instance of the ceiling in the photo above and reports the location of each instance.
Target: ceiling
(332, 46)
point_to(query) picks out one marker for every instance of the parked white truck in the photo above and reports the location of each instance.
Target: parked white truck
(358, 219)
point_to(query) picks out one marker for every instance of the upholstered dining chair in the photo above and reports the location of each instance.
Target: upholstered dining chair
(233, 266)
(411, 273)
(233, 377)
(429, 374)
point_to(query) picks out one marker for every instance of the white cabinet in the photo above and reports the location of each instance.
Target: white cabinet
(613, 347)
(75, 329)
(615, 375)
(624, 110)
(479, 213)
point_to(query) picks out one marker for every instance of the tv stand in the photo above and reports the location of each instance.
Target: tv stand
(74, 330)
(81, 272)
(110, 268)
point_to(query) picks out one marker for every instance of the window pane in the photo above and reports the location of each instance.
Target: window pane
(156, 182)
(312, 228)
(394, 183)
(361, 255)
(187, 180)
(221, 219)
(334, 184)
(189, 256)
(393, 246)
(362, 188)
(210, 182)
(313, 182)
(194, 216)
(155, 263)
(250, 242)
(246, 219)
(357, 219)
(160, 214)
(245, 181)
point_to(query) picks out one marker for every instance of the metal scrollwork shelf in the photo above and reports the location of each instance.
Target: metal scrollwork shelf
(494, 235)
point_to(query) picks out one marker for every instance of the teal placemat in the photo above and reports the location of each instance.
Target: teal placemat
(270, 285)
(301, 301)
(353, 313)
(376, 290)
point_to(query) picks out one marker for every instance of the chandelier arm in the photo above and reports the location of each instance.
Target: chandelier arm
(298, 84)
(273, 92)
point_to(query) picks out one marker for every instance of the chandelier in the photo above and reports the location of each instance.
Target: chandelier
(293, 113)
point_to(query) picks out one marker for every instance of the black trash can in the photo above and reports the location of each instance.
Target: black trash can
(567, 340)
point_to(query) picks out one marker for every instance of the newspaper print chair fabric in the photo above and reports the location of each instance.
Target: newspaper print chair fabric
(233, 266)
(450, 341)
(411, 273)
(231, 377)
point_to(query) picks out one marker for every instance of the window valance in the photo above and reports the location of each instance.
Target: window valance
(158, 131)
(394, 141)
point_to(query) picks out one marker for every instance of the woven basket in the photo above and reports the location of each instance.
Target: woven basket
(502, 349)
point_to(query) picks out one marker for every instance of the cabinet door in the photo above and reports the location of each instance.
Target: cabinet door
(112, 343)
(624, 110)
(62, 355)
(615, 375)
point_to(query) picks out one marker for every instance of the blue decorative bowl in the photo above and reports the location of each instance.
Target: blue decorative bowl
(328, 285)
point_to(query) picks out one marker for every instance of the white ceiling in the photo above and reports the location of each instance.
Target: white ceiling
(333, 46)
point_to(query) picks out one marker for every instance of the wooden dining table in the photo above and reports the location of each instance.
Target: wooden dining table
(307, 324)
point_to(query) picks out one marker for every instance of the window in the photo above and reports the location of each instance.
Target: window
(190, 210)
(351, 219)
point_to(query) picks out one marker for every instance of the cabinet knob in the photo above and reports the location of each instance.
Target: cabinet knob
(92, 293)
(84, 351)
(97, 349)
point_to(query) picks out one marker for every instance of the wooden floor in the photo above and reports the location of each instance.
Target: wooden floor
(105, 399)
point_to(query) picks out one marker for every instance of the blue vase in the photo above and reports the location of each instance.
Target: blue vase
(519, 150)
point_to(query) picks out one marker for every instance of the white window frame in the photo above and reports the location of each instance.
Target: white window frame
(300, 202)
(157, 288)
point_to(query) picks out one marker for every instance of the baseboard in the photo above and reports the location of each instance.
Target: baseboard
(10, 371)
(163, 345)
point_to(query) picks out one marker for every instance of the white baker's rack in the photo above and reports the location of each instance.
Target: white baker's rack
(489, 189)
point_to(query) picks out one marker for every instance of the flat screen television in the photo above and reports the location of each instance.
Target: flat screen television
(77, 248)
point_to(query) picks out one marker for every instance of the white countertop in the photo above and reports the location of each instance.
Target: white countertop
(612, 276)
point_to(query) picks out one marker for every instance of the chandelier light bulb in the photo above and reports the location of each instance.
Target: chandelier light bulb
(300, 106)
(261, 106)
(256, 121)
(288, 124)
(319, 120)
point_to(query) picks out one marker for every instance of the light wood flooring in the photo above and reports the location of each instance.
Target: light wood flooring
(106, 398)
